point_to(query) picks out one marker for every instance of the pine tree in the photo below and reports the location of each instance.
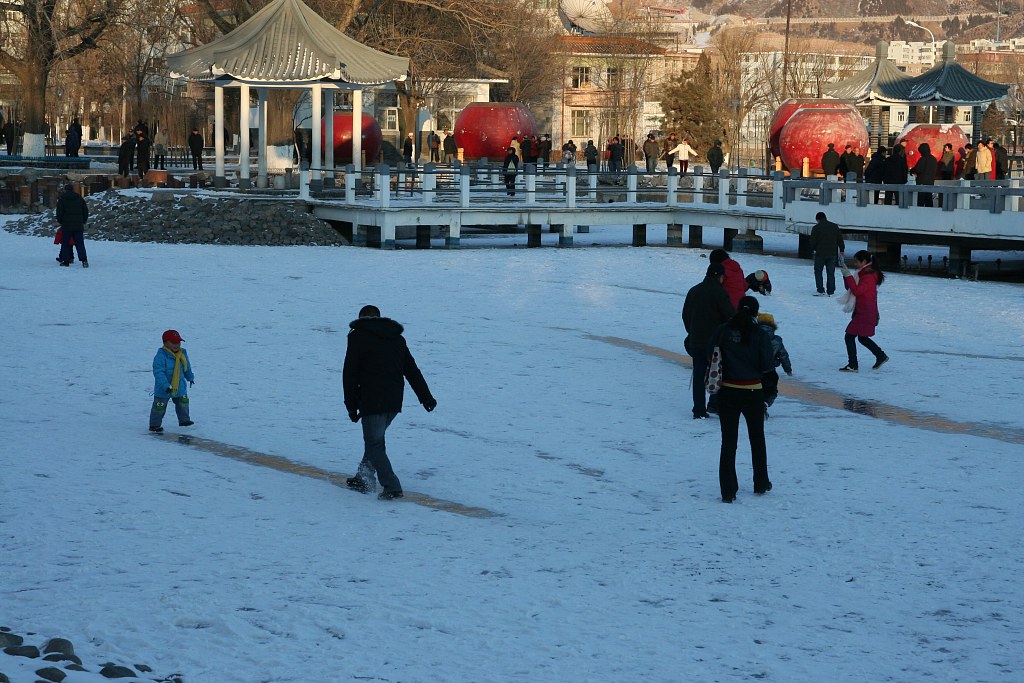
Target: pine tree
(690, 107)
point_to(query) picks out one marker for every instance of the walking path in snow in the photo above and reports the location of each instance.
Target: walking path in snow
(804, 391)
(276, 462)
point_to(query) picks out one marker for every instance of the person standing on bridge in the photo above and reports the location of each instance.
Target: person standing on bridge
(983, 161)
(706, 307)
(864, 287)
(510, 167)
(377, 365)
(925, 170)
(827, 243)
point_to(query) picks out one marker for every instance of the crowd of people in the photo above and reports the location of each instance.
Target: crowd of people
(735, 348)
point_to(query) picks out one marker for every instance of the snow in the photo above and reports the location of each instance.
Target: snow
(889, 550)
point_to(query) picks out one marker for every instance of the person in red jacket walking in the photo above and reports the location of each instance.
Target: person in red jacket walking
(735, 284)
(864, 286)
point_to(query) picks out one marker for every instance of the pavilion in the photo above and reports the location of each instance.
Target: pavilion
(943, 87)
(287, 45)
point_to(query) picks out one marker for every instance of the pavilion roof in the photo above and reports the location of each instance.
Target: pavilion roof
(947, 83)
(287, 41)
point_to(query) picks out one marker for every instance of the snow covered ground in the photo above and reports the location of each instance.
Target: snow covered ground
(887, 551)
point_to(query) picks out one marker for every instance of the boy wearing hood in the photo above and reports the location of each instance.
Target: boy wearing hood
(377, 364)
(770, 380)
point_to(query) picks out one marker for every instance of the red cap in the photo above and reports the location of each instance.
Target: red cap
(172, 337)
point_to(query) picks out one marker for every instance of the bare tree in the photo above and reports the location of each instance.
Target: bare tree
(43, 34)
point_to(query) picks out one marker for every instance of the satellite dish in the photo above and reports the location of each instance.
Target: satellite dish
(586, 17)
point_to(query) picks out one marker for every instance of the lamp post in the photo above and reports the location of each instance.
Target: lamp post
(932, 36)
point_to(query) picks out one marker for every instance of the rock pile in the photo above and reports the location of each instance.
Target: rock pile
(191, 218)
(51, 660)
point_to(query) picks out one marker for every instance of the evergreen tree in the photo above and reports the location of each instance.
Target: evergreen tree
(691, 109)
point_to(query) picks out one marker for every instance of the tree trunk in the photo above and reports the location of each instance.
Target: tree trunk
(34, 81)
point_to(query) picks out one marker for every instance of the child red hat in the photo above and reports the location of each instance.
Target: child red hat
(172, 337)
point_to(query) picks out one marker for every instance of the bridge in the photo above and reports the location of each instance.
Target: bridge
(385, 206)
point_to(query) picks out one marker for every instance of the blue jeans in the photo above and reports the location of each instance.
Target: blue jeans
(652, 164)
(750, 404)
(829, 264)
(67, 237)
(375, 455)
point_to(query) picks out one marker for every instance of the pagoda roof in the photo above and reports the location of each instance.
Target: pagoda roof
(287, 42)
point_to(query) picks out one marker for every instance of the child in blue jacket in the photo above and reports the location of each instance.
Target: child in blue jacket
(172, 372)
(770, 382)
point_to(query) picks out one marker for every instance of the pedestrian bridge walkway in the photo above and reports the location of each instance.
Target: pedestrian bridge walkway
(384, 206)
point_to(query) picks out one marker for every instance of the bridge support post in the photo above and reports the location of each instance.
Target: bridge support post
(565, 235)
(887, 253)
(803, 246)
(959, 258)
(454, 236)
(423, 237)
(728, 236)
(533, 231)
(672, 190)
(698, 185)
(748, 243)
(695, 236)
(387, 236)
(675, 235)
(359, 236)
(639, 234)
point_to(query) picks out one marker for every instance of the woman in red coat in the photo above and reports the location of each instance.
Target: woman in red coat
(864, 286)
(735, 283)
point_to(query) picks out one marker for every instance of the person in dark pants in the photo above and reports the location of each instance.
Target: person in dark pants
(894, 172)
(195, 145)
(873, 173)
(827, 243)
(377, 365)
(172, 376)
(706, 307)
(925, 170)
(746, 352)
(72, 214)
(142, 145)
(510, 167)
(864, 286)
(125, 155)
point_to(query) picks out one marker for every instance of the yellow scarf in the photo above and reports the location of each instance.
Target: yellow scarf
(180, 367)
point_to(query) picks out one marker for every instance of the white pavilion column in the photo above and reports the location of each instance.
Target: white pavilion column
(218, 136)
(329, 134)
(357, 130)
(316, 110)
(243, 137)
(261, 164)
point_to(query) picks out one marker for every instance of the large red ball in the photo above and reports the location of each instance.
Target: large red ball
(372, 138)
(936, 135)
(808, 132)
(484, 129)
(786, 111)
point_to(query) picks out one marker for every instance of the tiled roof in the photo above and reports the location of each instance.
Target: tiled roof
(287, 41)
(945, 82)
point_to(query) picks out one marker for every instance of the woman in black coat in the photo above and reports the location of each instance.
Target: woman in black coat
(746, 353)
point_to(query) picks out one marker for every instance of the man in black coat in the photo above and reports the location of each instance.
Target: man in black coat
(377, 364)
(894, 172)
(830, 160)
(706, 307)
(827, 243)
(195, 145)
(125, 155)
(925, 170)
(1001, 161)
(873, 173)
(72, 214)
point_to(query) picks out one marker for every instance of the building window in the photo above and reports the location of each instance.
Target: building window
(580, 76)
(387, 99)
(387, 119)
(581, 123)
(901, 116)
(613, 77)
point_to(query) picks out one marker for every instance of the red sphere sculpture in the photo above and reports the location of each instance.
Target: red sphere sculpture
(484, 129)
(936, 135)
(786, 111)
(372, 138)
(809, 131)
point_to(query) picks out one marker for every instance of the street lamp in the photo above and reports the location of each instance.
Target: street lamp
(932, 36)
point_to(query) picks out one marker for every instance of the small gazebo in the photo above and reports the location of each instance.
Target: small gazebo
(287, 45)
(944, 86)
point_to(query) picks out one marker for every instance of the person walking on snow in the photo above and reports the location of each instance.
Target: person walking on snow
(864, 286)
(72, 214)
(827, 243)
(746, 353)
(377, 365)
(173, 374)
(706, 307)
